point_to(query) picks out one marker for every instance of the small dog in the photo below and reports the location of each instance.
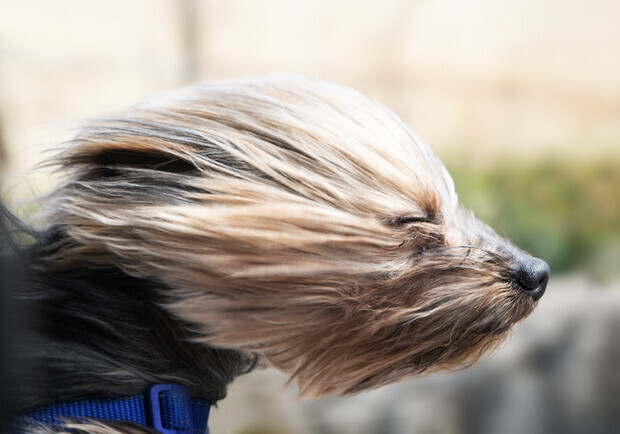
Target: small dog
(284, 222)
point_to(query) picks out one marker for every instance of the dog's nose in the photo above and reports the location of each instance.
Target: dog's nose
(532, 275)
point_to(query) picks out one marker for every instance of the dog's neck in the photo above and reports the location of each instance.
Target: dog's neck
(106, 334)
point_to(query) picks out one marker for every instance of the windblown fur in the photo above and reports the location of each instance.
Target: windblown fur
(283, 219)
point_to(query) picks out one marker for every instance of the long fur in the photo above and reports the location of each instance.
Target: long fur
(281, 220)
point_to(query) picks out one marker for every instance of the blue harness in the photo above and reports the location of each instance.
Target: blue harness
(167, 408)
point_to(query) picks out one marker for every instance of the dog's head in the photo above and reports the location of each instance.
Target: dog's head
(297, 220)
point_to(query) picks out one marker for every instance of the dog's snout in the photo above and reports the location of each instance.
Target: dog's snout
(532, 275)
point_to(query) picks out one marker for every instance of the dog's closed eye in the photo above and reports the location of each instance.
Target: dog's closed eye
(403, 220)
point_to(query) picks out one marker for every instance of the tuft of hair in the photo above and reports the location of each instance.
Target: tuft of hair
(293, 219)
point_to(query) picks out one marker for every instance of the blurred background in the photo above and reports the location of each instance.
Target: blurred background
(519, 98)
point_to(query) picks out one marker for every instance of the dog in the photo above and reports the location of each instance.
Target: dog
(282, 222)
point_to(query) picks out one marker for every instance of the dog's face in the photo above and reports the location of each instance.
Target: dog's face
(300, 221)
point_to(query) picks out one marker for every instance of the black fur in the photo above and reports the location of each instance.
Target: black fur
(103, 333)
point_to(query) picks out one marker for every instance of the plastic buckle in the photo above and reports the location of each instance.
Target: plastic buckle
(153, 406)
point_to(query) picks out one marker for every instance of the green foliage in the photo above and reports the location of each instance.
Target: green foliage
(565, 212)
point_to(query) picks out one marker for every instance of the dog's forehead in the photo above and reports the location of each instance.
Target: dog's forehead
(350, 138)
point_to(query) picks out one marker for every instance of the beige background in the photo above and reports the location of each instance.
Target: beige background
(482, 81)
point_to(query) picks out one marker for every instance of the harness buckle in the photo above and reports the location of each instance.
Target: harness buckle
(169, 409)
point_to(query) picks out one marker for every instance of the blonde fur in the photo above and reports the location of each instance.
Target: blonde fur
(293, 219)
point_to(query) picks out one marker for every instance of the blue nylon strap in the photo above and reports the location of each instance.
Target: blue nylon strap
(127, 409)
(163, 407)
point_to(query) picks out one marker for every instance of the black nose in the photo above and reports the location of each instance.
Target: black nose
(532, 275)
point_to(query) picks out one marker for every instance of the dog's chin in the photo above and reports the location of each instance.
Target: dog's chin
(431, 344)
(444, 328)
